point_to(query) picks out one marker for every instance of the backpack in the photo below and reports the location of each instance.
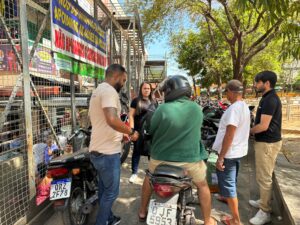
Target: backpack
(144, 141)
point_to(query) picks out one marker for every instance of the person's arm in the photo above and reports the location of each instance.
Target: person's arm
(114, 121)
(263, 125)
(131, 117)
(227, 141)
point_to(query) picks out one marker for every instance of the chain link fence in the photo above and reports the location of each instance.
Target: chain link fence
(14, 186)
(44, 94)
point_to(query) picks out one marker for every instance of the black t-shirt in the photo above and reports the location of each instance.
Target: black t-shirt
(270, 104)
(140, 106)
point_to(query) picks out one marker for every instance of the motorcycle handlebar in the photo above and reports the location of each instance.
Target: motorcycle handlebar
(77, 132)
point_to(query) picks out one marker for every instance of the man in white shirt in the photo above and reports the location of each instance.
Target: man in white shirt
(232, 144)
(107, 134)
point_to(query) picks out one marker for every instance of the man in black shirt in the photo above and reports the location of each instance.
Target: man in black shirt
(267, 131)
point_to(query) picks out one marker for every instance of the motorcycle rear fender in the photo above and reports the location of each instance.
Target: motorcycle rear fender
(172, 200)
(62, 207)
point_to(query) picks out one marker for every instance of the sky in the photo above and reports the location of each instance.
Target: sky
(160, 49)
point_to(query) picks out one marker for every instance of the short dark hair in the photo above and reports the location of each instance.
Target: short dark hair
(114, 68)
(265, 76)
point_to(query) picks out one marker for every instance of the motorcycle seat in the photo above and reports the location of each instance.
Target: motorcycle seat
(170, 171)
(68, 158)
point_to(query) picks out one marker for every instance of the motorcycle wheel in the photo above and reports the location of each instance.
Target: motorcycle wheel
(73, 215)
(125, 151)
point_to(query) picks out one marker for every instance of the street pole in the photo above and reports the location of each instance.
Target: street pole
(27, 97)
(73, 106)
(128, 70)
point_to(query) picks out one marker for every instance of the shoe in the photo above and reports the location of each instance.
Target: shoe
(255, 203)
(116, 220)
(133, 178)
(261, 218)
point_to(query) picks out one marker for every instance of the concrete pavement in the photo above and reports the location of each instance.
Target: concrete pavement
(128, 202)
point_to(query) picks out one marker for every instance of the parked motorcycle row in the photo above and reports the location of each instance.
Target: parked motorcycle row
(212, 113)
(74, 186)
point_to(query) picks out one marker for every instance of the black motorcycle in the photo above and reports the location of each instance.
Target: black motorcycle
(74, 188)
(172, 193)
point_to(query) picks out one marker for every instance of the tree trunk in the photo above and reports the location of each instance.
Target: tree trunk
(219, 86)
(244, 88)
(238, 68)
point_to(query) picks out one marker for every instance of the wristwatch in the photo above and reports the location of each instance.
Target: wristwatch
(132, 132)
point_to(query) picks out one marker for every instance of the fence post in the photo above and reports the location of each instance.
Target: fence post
(27, 97)
(129, 70)
(288, 107)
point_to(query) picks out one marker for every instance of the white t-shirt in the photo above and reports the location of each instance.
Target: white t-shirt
(104, 139)
(238, 115)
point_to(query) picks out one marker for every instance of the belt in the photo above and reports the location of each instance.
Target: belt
(94, 153)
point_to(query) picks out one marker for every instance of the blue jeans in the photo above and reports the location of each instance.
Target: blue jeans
(227, 179)
(136, 155)
(108, 168)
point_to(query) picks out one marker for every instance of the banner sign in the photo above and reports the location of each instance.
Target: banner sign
(77, 34)
(42, 61)
(74, 66)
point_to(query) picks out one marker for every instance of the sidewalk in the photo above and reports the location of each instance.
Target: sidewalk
(128, 202)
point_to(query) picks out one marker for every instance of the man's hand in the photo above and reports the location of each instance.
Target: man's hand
(126, 138)
(220, 164)
(135, 136)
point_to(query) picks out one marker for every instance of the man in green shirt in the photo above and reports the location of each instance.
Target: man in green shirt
(176, 134)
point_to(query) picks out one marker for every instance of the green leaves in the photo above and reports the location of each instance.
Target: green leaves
(233, 32)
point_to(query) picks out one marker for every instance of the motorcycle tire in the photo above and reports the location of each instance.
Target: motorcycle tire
(72, 214)
(125, 151)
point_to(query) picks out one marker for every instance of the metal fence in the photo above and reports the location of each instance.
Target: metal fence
(40, 102)
(290, 107)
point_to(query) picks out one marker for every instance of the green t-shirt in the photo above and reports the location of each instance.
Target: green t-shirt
(176, 132)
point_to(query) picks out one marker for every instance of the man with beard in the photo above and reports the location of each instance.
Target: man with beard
(107, 132)
(267, 131)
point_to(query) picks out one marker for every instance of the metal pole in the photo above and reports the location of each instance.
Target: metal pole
(73, 107)
(27, 98)
(96, 17)
(128, 70)
(111, 42)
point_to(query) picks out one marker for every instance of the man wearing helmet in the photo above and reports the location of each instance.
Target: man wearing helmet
(176, 134)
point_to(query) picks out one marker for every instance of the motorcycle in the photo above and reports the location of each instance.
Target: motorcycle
(172, 193)
(74, 186)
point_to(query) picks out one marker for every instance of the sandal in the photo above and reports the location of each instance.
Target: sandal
(226, 220)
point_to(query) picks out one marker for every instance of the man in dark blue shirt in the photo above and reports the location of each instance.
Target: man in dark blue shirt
(267, 131)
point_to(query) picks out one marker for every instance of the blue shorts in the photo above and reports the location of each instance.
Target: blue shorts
(227, 179)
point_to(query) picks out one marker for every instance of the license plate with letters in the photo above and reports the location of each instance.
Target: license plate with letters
(161, 213)
(60, 189)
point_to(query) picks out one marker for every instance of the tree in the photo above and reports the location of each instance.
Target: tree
(258, 21)
(209, 63)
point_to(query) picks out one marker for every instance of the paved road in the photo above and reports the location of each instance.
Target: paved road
(127, 204)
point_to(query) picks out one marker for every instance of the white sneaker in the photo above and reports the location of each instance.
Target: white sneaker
(255, 203)
(261, 218)
(133, 178)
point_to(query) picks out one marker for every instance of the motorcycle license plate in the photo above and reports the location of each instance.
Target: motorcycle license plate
(161, 213)
(60, 189)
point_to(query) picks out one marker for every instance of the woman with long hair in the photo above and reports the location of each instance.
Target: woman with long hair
(138, 109)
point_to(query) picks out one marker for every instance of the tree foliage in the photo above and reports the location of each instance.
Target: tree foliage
(246, 26)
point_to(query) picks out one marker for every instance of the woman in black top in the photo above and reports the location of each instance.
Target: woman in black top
(138, 110)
